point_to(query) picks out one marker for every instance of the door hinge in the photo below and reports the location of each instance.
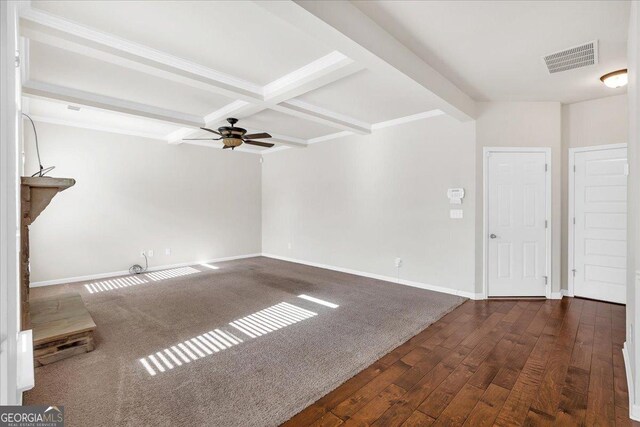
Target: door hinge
(574, 220)
(546, 224)
(546, 280)
(546, 167)
(17, 60)
(574, 272)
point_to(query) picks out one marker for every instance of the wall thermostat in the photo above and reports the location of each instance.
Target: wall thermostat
(455, 195)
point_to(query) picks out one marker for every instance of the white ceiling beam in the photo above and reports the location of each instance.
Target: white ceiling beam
(321, 72)
(40, 21)
(84, 125)
(74, 96)
(59, 32)
(343, 25)
(307, 111)
(406, 119)
(279, 93)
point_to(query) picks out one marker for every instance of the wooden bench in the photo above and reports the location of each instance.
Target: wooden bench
(62, 327)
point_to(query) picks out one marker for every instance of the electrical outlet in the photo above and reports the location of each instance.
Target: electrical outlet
(398, 262)
(167, 251)
(150, 253)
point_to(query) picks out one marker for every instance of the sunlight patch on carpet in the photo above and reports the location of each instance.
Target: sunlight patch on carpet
(254, 325)
(128, 281)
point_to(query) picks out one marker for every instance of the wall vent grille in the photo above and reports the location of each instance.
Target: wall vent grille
(572, 58)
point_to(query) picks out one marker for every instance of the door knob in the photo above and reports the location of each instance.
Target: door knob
(493, 236)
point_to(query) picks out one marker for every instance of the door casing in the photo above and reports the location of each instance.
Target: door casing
(486, 152)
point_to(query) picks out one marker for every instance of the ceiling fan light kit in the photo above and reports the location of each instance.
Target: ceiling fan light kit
(233, 137)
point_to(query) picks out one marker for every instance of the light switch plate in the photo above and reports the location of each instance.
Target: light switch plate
(455, 213)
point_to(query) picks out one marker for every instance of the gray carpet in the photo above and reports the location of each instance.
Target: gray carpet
(260, 381)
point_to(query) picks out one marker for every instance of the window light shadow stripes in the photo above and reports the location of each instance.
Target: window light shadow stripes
(170, 274)
(271, 319)
(128, 281)
(189, 350)
(318, 301)
(117, 283)
(254, 325)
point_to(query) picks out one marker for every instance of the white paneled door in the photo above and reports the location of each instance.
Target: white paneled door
(600, 229)
(516, 224)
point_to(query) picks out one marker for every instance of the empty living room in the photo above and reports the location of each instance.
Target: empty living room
(319, 213)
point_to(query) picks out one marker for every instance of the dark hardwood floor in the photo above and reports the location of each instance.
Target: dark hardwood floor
(554, 362)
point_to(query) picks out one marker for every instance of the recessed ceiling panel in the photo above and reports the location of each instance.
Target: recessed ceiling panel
(235, 37)
(372, 97)
(57, 66)
(91, 118)
(275, 122)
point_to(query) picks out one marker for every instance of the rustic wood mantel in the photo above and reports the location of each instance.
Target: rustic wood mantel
(35, 195)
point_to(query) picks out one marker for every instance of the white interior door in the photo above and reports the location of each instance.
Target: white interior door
(600, 230)
(517, 235)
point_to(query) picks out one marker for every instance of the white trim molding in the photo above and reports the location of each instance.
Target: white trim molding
(25, 373)
(10, 171)
(126, 272)
(634, 410)
(461, 293)
(571, 202)
(486, 151)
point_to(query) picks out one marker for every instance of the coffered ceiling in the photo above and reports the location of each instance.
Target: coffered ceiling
(177, 66)
(303, 71)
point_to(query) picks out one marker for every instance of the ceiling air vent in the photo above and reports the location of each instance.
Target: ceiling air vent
(572, 58)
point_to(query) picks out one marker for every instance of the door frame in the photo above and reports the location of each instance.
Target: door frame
(571, 202)
(486, 152)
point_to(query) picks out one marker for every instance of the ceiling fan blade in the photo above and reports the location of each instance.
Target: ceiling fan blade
(212, 131)
(258, 143)
(257, 135)
(201, 139)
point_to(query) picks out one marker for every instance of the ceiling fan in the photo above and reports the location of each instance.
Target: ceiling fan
(232, 136)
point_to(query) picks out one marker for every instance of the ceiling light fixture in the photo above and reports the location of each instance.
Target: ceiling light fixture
(615, 79)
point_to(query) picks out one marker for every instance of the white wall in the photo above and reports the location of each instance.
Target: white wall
(584, 124)
(359, 202)
(520, 124)
(134, 193)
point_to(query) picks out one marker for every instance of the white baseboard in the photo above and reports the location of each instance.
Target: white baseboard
(556, 295)
(634, 410)
(566, 293)
(466, 294)
(126, 272)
